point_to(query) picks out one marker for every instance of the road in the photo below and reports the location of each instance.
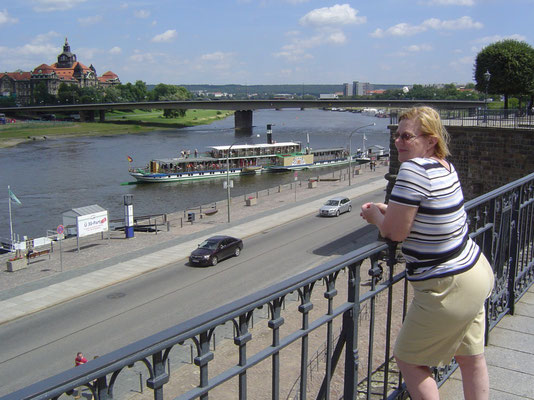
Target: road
(43, 344)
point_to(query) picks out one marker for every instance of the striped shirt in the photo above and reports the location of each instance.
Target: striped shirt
(438, 243)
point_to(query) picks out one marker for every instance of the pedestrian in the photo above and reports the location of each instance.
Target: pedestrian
(450, 276)
(80, 359)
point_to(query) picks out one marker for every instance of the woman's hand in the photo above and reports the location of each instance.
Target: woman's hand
(374, 213)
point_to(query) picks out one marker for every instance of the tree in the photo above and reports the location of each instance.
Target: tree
(511, 67)
(163, 92)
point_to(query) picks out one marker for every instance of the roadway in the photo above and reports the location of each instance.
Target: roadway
(43, 344)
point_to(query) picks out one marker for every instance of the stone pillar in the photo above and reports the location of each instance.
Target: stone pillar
(87, 116)
(243, 119)
(102, 115)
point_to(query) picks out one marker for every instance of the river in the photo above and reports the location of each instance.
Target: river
(53, 176)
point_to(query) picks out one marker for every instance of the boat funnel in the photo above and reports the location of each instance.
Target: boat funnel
(269, 134)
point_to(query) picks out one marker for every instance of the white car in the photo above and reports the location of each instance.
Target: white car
(336, 206)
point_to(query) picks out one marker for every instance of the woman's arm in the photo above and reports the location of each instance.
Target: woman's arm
(394, 220)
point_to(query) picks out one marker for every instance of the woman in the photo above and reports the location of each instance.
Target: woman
(450, 276)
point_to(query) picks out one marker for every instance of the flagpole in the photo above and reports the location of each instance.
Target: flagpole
(10, 220)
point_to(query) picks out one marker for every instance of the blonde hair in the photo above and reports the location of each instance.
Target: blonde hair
(430, 125)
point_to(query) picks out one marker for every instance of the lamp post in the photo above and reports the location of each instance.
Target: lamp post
(228, 179)
(487, 77)
(350, 147)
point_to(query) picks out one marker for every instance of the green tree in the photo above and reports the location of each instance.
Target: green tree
(41, 95)
(510, 64)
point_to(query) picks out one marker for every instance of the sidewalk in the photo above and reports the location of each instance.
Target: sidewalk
(104, 262)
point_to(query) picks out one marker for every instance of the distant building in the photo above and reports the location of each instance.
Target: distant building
(67, 69)
(361, 88)
(347, 90)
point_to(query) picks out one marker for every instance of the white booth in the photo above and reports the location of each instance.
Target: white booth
(85, 221)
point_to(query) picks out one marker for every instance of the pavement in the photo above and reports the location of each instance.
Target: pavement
(70, 273)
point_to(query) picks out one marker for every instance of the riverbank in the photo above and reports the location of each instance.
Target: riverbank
(118, 124)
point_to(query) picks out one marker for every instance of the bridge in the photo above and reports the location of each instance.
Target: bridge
(244, 109)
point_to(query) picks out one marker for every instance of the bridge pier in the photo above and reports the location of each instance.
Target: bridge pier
(87, 116)
(243, 119)
(102, 115)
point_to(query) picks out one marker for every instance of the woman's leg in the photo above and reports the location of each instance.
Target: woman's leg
(419, 380)
(475, 377)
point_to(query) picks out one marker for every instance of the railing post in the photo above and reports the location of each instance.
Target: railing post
(305, 307)
(241, 341)
(160, 376)
(275, 323)
(350, 327)
(202, 360)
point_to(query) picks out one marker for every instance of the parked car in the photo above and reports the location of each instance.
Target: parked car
(215, 249)
(335, 207)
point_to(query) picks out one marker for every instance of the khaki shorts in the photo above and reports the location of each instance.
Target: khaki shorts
(446, 317)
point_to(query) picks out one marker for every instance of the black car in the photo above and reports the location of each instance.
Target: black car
(215, 249)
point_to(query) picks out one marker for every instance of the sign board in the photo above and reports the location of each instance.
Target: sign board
(60, 229)
(92, 223)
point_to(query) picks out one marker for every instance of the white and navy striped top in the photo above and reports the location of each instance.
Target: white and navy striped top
(438, 243)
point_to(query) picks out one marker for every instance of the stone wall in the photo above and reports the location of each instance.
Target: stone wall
(485, 158)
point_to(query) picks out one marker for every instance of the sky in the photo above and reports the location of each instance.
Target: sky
(254, 42)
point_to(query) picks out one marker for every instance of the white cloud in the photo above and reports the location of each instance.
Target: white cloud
(6, 19)
(55, 5)
(497, 38)
(405, 29)
(332, 16)
(90, 20)
(467, 3)
(142, 58)
(453, 25)
(416, 48)
(142, 13)
(115, 50)
(166, 36)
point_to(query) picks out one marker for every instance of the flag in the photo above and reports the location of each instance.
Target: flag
(13, 197)
(130, 159)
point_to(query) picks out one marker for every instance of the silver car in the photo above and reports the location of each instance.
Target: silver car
(335, 207)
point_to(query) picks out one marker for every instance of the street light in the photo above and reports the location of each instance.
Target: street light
(228, 178)
(350, 147)
(487, 77)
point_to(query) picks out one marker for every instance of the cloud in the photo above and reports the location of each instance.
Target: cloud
(166, 36)
(142, 58)
(115, 50)
(497, 38)
(91, 20)
(326, 22)
(467, 3)
(416, 48)
(6, 19)
(332, 16)
(405, 29)
(55, 5)
(141, 13)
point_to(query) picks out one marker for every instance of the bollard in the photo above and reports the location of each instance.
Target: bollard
(140, 382)
(168, 226)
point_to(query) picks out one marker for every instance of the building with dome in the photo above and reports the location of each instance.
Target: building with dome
(67, 70)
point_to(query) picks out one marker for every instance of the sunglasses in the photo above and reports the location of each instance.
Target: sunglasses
(405, 137)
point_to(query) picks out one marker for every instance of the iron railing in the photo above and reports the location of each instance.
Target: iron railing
(354, 318)
(473, 117)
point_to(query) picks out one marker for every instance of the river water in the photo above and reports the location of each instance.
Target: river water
(53, 176)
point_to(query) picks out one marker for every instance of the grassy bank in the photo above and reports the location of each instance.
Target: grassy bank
(117, 123)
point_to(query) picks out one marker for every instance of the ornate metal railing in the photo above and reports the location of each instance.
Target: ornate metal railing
(351, 306)
(473, 117)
